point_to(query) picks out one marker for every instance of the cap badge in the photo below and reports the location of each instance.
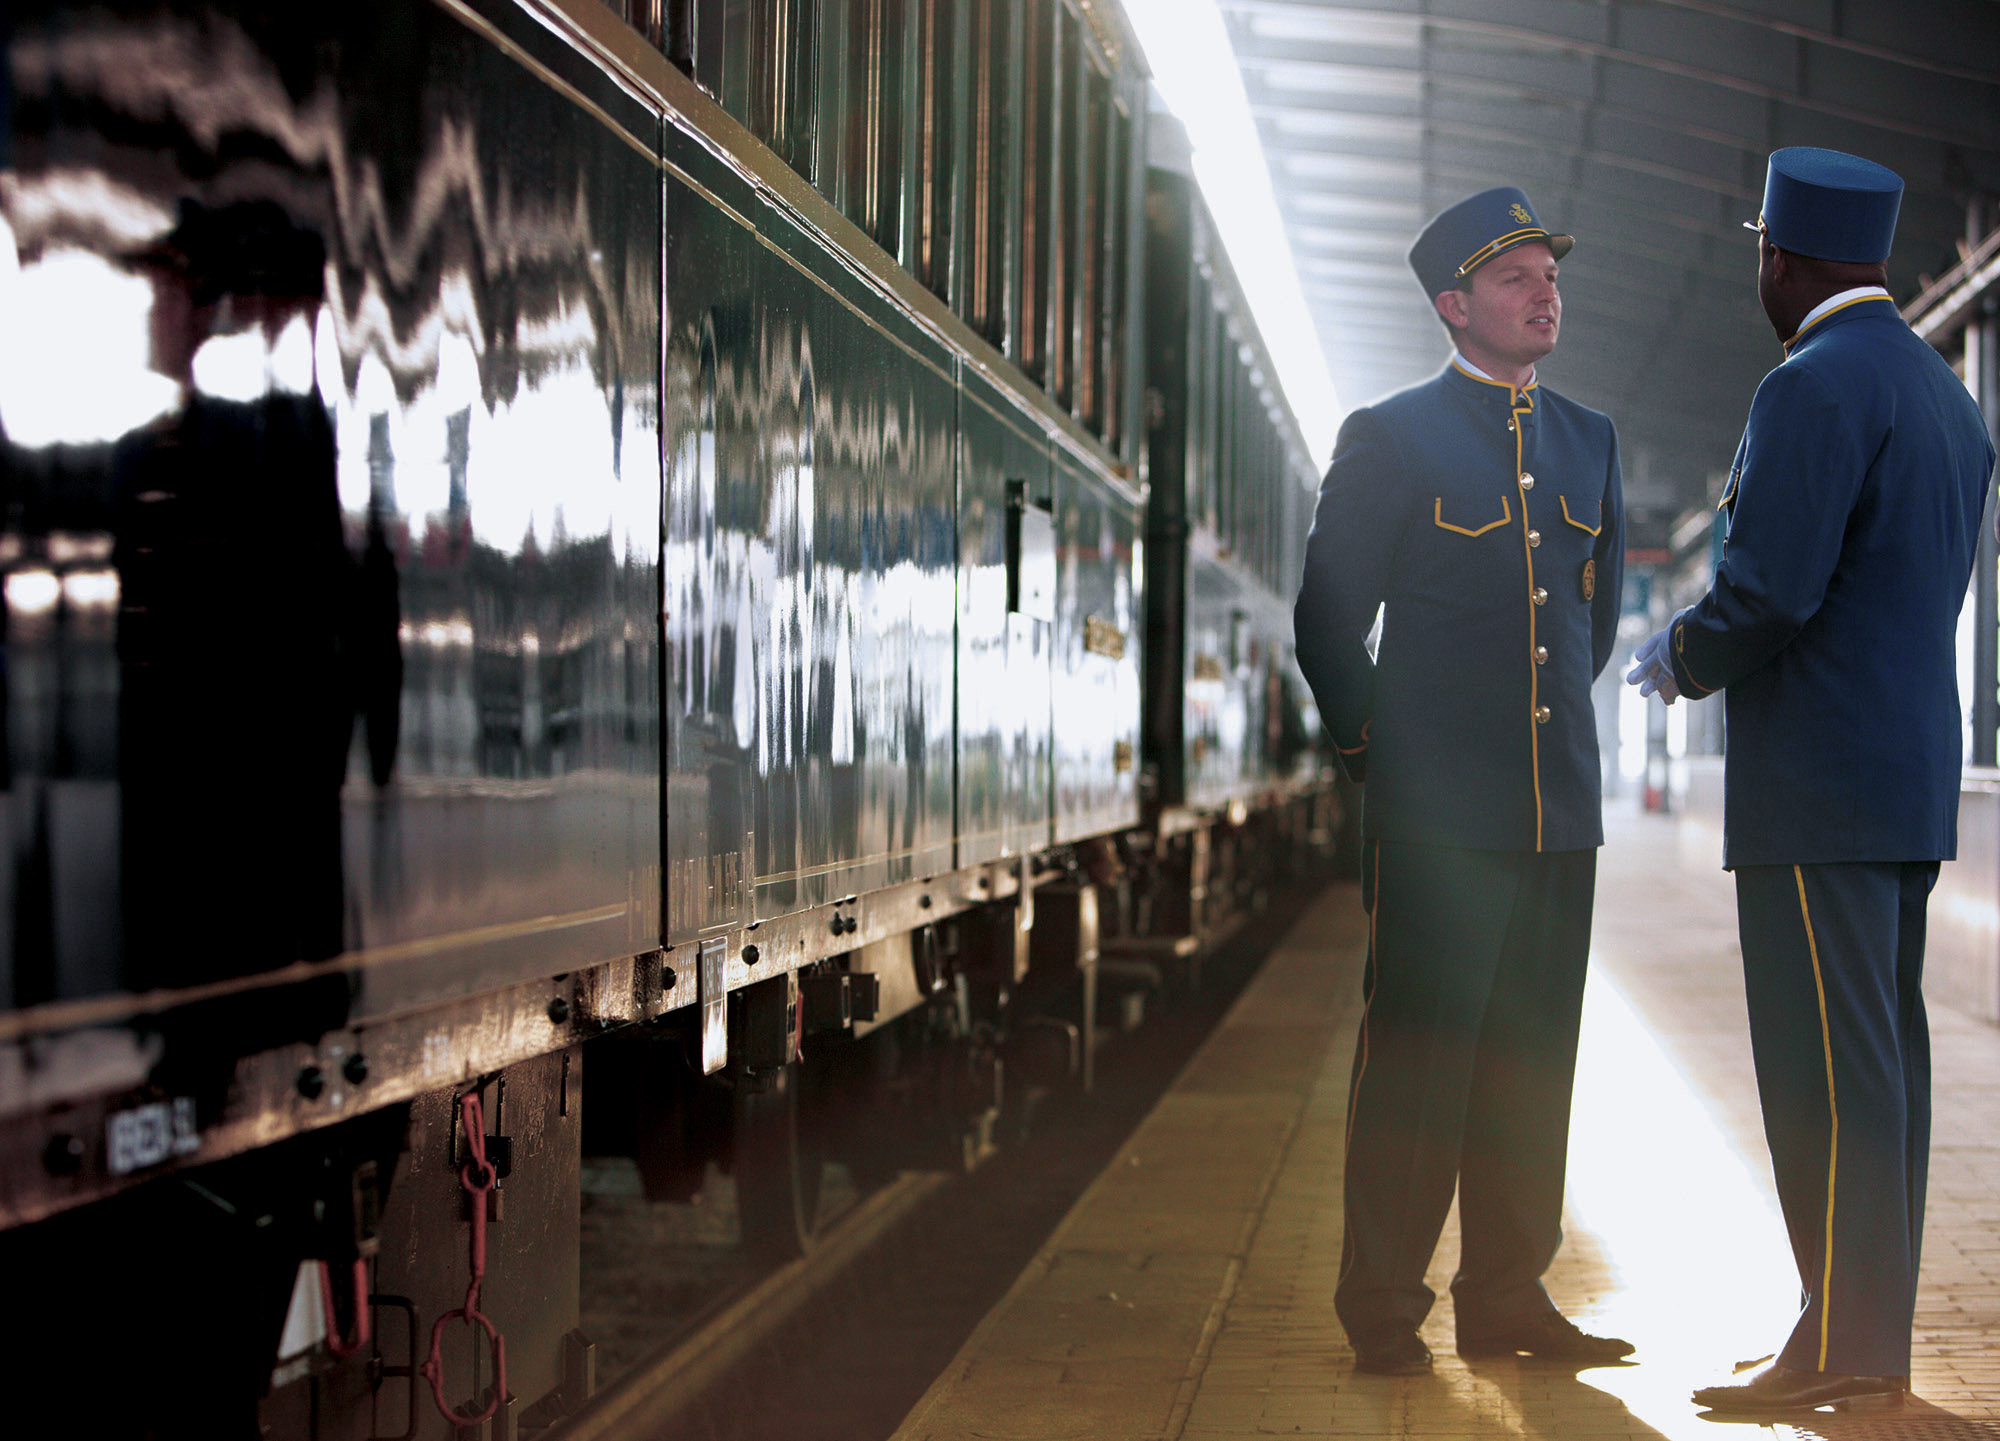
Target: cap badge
(1590, 580)
(1520, 214)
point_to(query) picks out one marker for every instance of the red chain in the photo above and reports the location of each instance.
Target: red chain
(334, 1343)
(476, 1175)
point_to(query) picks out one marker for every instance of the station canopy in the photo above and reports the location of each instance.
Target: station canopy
(1642, 128)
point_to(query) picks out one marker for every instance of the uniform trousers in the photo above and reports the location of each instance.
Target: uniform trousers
(1833, 959)
(1462, 1075)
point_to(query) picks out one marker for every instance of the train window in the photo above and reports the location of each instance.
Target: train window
(1232, 412)
(832, 114)
(1225, 397)
(1242, 421)
(1200, 318)
(1249, 474)
(649, 18)
(938, 130)
(896, 45)
(677, 26)
(1257, 496)
(1232, 469)
(724, 28)
(862, 185)
(1038, 112)
(1117, 250)
(1259, 505)
(755, 56)
(1270, 479)
(1234, 498)
(1274, 474)
(1225, 439)
(802, 149)
(1086, 267)
(1094, 117)
(782, 43)
(689, 32)
(856, 108)
(1217, 399)
(990, 161)
(1064, 185)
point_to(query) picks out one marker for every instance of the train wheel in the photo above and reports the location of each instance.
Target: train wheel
(780, 1162)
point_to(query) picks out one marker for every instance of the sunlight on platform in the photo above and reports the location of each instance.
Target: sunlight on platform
(1691, 1232)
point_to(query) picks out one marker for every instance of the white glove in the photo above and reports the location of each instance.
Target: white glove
(1652, 672)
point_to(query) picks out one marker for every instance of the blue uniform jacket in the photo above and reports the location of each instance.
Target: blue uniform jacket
(1487, 525)
(1853, 515)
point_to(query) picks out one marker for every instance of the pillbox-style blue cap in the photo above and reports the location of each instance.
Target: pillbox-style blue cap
(1830, 205)
(1465, 236)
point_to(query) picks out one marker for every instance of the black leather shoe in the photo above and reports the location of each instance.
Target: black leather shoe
(1779, 1387)
(1401, 1353)
(1552, 1337)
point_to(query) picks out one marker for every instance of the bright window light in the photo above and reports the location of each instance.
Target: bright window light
(292, 357)
(1182, 39)
(232, 367)
(32, 592)
(76, 366)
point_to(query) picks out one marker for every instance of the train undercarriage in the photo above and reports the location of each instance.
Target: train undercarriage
(310, 1263)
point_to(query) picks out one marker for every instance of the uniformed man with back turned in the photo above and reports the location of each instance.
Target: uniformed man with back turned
(1852, 515)
(1479, 515)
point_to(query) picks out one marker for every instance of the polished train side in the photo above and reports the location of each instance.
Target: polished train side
(518, 569)
(1232, 498)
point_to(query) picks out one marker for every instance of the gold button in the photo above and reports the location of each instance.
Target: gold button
(1541, 596)
(1541, 655)
(1534, 537)
(1527, 481)
(1541, 715)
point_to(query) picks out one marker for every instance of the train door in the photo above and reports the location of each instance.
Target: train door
(1006, 615)
(1096, 672)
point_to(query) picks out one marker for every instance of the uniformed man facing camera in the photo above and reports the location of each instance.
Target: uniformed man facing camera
(1853, 513)
(1479, 514)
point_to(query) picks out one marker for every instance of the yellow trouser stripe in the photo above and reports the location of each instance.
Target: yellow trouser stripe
(1833, 1114)
(1361, 1039)
(1374, 969)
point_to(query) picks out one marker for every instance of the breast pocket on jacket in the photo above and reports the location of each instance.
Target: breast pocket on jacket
(1586, 515)
(1464, 520)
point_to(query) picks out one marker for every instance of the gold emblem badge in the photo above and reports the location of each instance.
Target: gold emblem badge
(1520, 214)
(1590, 580)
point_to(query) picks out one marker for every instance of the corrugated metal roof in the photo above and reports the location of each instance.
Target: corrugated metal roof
(1641, 127)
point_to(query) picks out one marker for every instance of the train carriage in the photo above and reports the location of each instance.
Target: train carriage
(547, 542)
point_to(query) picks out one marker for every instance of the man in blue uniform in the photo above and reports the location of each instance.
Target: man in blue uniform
(1853, 512)
(1479, 513)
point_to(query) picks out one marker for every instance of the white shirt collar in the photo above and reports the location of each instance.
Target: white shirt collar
(1469, 368)
(1834, 302)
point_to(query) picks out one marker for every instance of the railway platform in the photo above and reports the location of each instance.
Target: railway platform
(1189, 1293)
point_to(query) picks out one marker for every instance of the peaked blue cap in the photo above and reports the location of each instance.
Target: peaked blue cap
(1830, 205)
(1465, 236)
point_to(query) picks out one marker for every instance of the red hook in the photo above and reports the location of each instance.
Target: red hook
(334, 1343)
(477, 1176)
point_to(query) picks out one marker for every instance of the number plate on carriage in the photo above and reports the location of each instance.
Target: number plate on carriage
(147, 1135)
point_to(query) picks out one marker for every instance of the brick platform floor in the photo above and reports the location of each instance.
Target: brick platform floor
(1190, 1293)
